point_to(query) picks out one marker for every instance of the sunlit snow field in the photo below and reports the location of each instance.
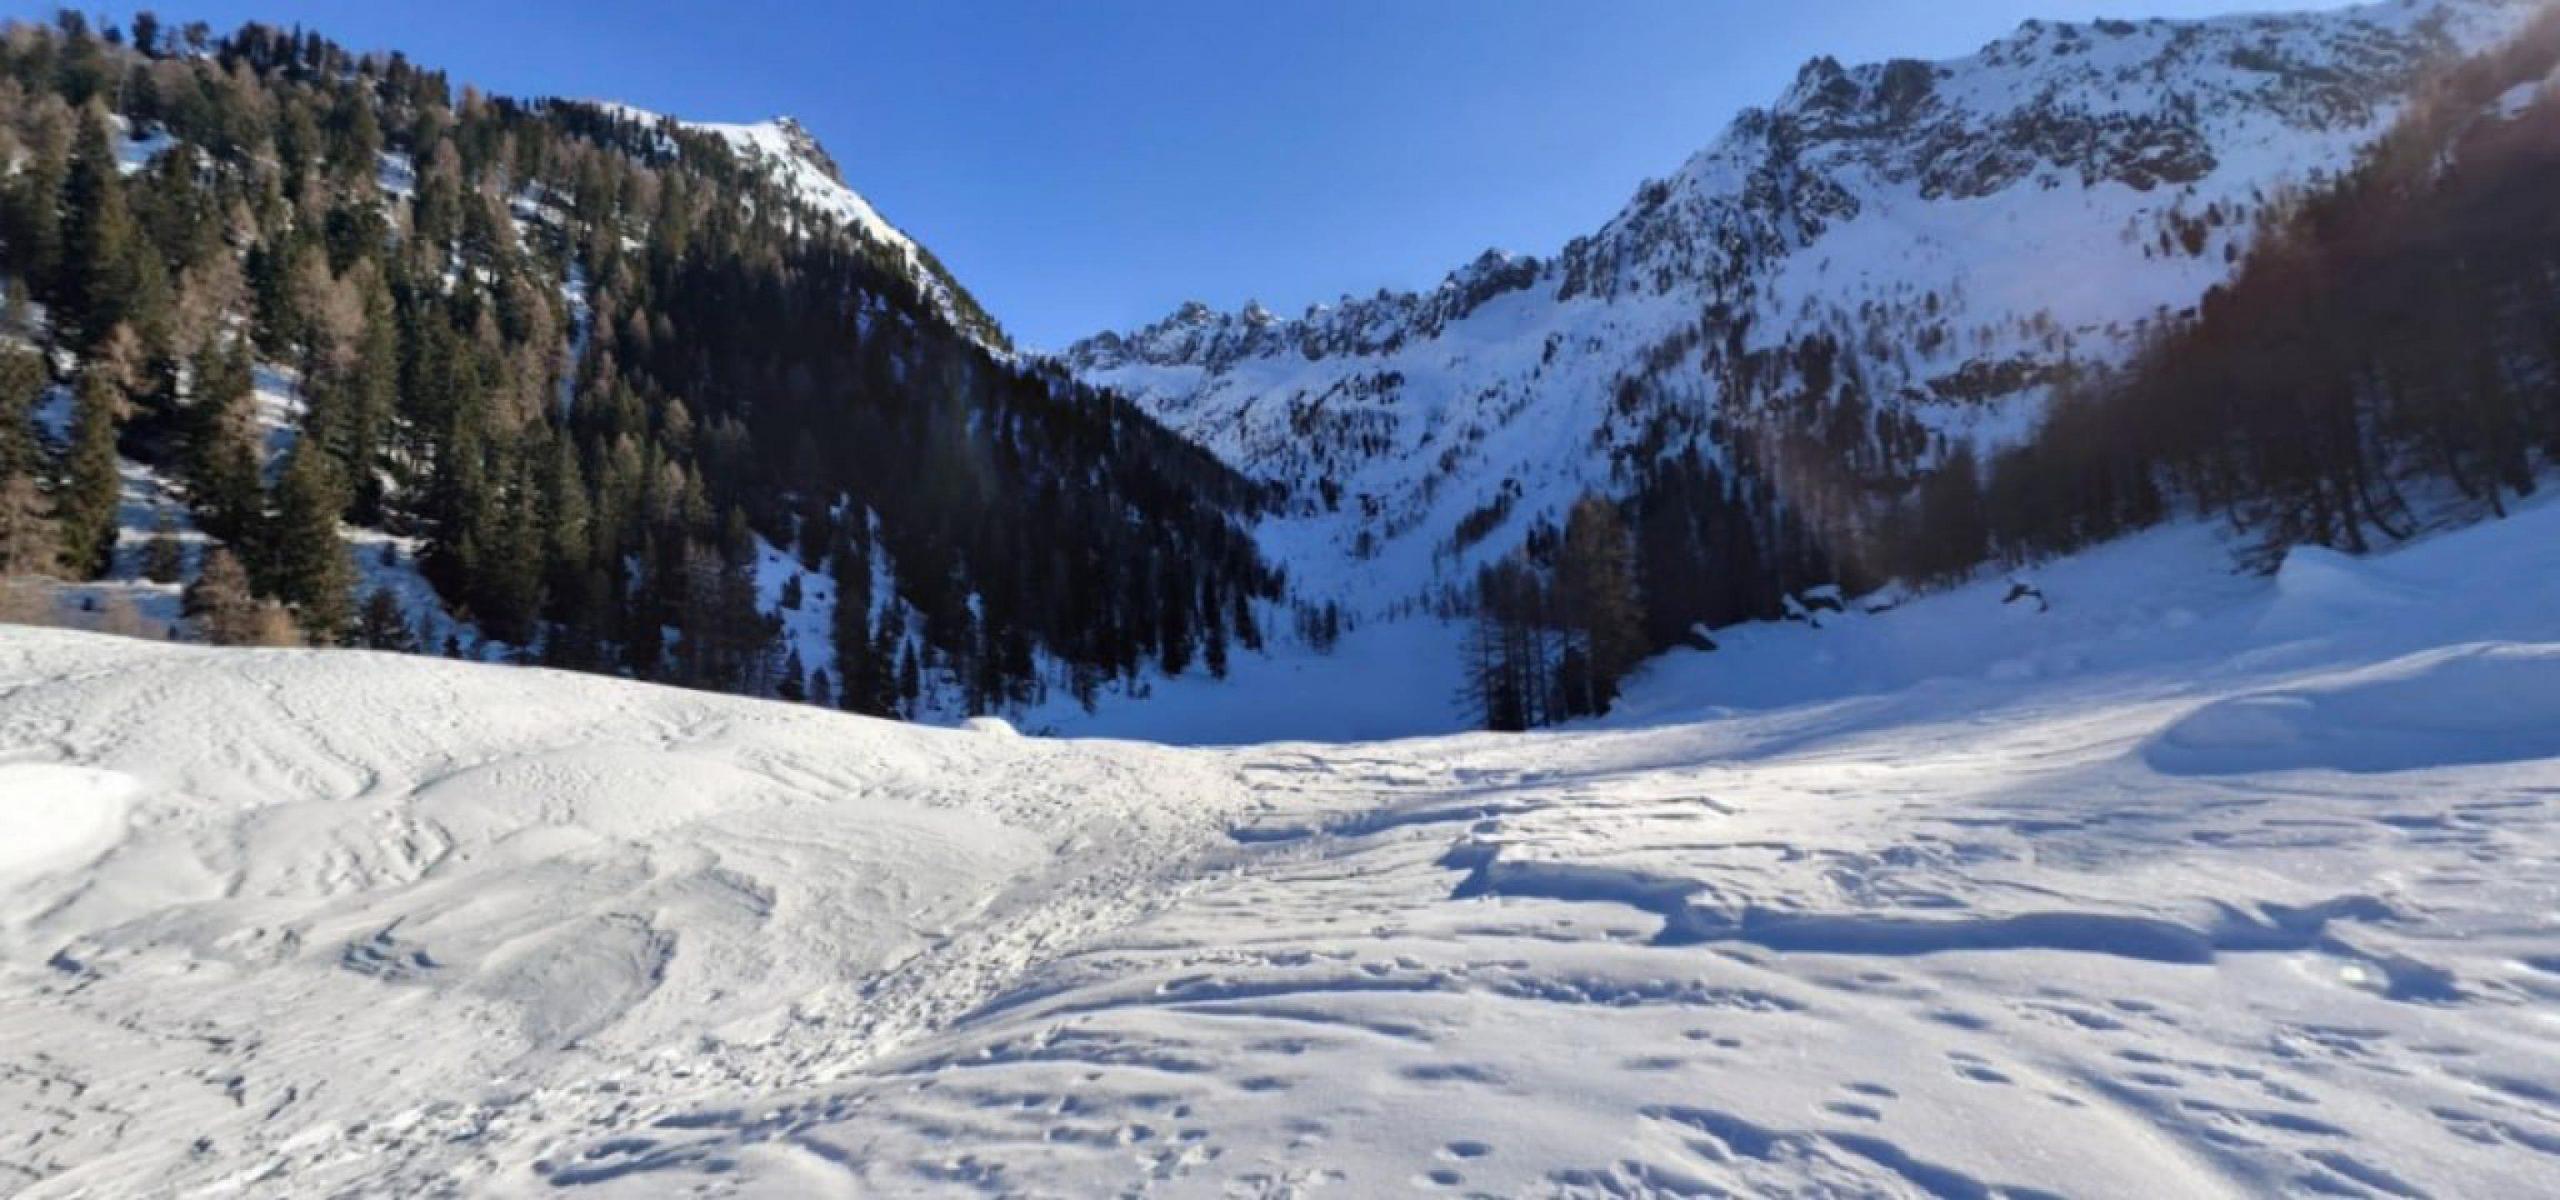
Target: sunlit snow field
(2193, 883)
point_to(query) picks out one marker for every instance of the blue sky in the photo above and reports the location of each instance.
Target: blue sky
(1089, 165)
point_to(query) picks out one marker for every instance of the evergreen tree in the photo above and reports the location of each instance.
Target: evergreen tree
(163, 559)
(1598, 600)
(28, 541)
(22, 383)
(85, 504)
(221, 603)
(222, 447)
(31, 203)
(306, 558)
(28, 545)
(382, 625)
(103, 253)
(791, 686)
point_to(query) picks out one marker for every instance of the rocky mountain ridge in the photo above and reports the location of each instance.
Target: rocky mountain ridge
(1948, 238)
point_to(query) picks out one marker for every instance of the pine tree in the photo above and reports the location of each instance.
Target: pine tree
(859, 670)
(1173, 612)
(27, 542)
(22, 382)
(1599, 602)
(102, 247)
(163, 559)
(307, 561)
(31, 203)
(1954, 533)
(383, 625)
(222, 447)
(220, 601)
(792, 686)
(881, 693)
(85, 503)
(1213, 639)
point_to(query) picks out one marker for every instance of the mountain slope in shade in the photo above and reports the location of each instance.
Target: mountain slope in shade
(1939, 241)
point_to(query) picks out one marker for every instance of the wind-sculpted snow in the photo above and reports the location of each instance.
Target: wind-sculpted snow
(297, 922)
(1956, 899)
(2467, 704)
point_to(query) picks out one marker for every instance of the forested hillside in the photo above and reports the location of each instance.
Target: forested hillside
(2381, 360)
(609, 376)
(2385, 359)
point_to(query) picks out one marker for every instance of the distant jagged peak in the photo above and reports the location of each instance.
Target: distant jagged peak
(2144, 103)
(1196, 333)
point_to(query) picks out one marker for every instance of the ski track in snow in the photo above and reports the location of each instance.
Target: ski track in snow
(2194, 884)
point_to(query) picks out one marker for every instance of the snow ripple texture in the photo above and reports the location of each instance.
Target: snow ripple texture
(2188, 884)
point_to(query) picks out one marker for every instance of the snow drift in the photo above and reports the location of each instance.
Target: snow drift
(2143, 893)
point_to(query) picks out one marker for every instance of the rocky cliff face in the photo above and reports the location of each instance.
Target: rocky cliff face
(1945, 238)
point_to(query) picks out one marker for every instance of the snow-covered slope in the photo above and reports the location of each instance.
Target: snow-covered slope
(786, 149)
(1957, 232)
(326, 919)
(2183, 883)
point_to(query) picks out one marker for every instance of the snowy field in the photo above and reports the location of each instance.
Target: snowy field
(2190, 884)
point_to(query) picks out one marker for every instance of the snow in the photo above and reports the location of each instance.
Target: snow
(1395, 679)
(807, 630)
(58, 819)
(2403, 715)
(2189, 882)
(2513, 102)
(773, 142)
(579, 886)
(276, 408)
(135, 153)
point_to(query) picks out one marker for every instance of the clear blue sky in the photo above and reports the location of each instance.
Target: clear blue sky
(1087, 165)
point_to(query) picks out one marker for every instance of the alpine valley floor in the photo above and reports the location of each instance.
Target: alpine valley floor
(2191, 884)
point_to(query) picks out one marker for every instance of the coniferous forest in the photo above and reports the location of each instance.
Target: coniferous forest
(590, 362)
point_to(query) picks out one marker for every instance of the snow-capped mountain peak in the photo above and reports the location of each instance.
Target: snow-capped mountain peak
(1957, 233)
(809, 174)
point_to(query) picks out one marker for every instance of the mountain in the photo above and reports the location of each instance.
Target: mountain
(1890, 264)
(585, 386)
(792, 157)
(592, 387)
(2114, 873)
